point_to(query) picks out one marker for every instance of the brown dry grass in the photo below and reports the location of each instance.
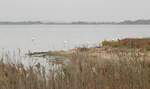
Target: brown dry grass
(127, 71)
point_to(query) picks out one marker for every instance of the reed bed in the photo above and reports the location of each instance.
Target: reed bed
(127, 71)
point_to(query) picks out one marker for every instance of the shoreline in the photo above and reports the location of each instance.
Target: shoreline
(106, 47)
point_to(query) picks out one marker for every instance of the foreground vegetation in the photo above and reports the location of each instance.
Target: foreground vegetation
(123, 70)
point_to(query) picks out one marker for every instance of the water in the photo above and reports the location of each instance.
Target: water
(60, 37)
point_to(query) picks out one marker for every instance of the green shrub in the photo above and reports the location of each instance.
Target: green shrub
(111, 43)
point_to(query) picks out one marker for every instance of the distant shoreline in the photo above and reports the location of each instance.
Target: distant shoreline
(74, 24)
(126, 22)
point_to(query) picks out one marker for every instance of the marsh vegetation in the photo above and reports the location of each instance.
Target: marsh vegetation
(123, 69)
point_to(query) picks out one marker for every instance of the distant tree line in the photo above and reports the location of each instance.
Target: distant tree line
(126, 22)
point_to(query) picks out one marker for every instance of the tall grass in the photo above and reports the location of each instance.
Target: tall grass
(127, 71)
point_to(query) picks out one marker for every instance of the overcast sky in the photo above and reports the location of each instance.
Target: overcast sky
(74, 10)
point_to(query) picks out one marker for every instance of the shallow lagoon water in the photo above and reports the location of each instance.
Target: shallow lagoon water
(24, 38)
(62, 37)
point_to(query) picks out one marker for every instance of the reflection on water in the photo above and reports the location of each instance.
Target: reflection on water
(19, 58)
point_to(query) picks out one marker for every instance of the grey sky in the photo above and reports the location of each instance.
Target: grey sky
(74, 10)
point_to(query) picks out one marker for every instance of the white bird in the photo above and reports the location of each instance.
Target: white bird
(86, 43)
(33, 39)
(65, 42)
